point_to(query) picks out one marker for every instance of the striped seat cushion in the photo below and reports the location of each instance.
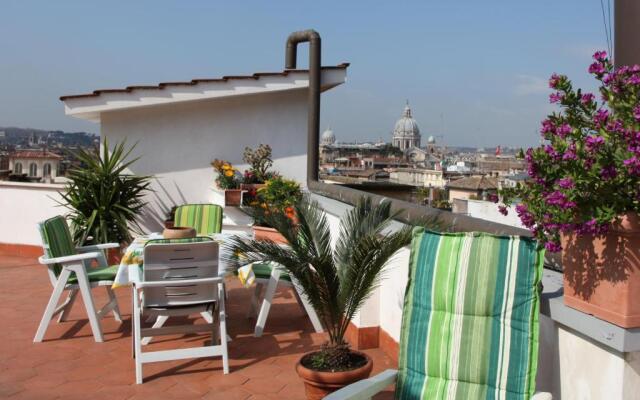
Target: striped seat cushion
(206, 219)
(57, 239)
(470, 319)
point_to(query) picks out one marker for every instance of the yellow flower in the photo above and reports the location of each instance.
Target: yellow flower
(226, 167)
(228, 173)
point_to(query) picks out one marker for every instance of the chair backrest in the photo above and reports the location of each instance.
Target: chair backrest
(206, 219)
(56, 239)
(176, 260)
(470, 318)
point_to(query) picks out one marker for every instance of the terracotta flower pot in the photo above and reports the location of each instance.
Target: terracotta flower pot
(602, 273)
(232, 197)
(265, 233)
(179, 232)
(114, 256)
(318, 384)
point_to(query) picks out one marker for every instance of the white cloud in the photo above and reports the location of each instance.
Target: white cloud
(529, 84)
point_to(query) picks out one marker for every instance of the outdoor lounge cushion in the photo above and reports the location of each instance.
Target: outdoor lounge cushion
(263, 271)
(470, 319)
(206, 219)
(97, 274)
(57, 240)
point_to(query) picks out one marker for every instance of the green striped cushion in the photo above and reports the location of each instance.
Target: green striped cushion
(470, 319)
(206, 219)
(97, 274)
(263, 271)
(57, 239)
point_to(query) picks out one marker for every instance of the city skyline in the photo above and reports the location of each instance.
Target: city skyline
(465, 78)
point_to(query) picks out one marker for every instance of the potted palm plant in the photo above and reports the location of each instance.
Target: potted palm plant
(104, 200)
(583, 196)
(227, 179)
(336, 280)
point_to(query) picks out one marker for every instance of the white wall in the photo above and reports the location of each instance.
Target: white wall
(488, 210)
(176, 143)
(22, 206)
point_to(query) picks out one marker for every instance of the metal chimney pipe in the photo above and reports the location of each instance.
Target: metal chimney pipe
(315, 71)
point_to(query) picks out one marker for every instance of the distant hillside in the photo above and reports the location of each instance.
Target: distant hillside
(29, 137)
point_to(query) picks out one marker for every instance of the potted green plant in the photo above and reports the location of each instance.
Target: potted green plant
(583, 195)
(168, 223)
(278, 196)
(227, 179)
(104, 200)
(259, 161)
(336, 280)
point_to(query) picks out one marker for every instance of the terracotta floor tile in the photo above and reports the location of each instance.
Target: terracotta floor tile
(69, 364)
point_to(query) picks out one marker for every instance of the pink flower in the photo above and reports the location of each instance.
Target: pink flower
(556, 97)
(601, 117)
(570, 154)
(503, 210)
(553, 247)
(563, 130)
(596, 68)
(636, 113)
(600, 55)
(554, 81)
(566, 183)
(608, 172)
(587, 98)
(548, 126)
(594, 142)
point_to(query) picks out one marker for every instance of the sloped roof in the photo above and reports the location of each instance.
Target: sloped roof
(34, 154)
(474, 183)
(90, 106)
(194, 82)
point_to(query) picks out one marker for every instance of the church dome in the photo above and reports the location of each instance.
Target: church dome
(328, 138)
(406, 125)
(431, 140)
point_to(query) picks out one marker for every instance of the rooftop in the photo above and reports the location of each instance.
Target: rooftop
(474, 183)
(69, 364)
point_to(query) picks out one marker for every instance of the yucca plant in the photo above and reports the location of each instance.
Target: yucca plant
(104, 201)
(336, 280)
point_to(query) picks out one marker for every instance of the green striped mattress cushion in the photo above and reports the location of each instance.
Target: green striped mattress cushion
(206, 219)
(196, 239)
(57, 239)
(470, 318)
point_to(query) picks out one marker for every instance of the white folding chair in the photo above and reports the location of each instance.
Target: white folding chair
(180, 278)
(267, 279)
(70, 269)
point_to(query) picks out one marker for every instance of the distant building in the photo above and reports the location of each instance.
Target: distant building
(38, 165)
(417, 177)
(406, 133)
(472, 187)
(459, 167)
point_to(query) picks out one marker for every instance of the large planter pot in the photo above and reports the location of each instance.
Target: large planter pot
(318, 384)
(265, 233)
(232, 197)
(602, 273)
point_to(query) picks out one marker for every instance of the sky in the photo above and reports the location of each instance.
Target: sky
(474, 72)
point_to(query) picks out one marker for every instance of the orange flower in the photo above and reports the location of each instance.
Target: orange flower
(290, 212)
(228, 173)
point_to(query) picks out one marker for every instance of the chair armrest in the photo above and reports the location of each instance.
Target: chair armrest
(181, 282)
(366, 388)
(96, 247)
(71, 258)
(542, 396)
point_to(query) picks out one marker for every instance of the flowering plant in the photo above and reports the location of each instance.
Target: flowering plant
(279, 195)
(227, 175)
(587, 173)
(259, 161)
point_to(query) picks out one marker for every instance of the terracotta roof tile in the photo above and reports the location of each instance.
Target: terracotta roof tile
(474, 183)
(194, 82)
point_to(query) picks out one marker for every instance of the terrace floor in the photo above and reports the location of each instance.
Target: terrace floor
(70, 365)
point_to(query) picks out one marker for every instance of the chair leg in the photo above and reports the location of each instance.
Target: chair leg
(137, 345)
(158, 324)
(85, 291)
(223, 329)
(113, 300)
(266, 303)
(69, 303)
(255, 299)
(51, 306)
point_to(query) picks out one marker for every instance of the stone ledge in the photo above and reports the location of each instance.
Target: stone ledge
(610, 336)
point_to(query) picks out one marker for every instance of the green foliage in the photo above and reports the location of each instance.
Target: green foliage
(227, 177)
(279, 195)
(259, 161)
(104, 201)
(337, 281)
